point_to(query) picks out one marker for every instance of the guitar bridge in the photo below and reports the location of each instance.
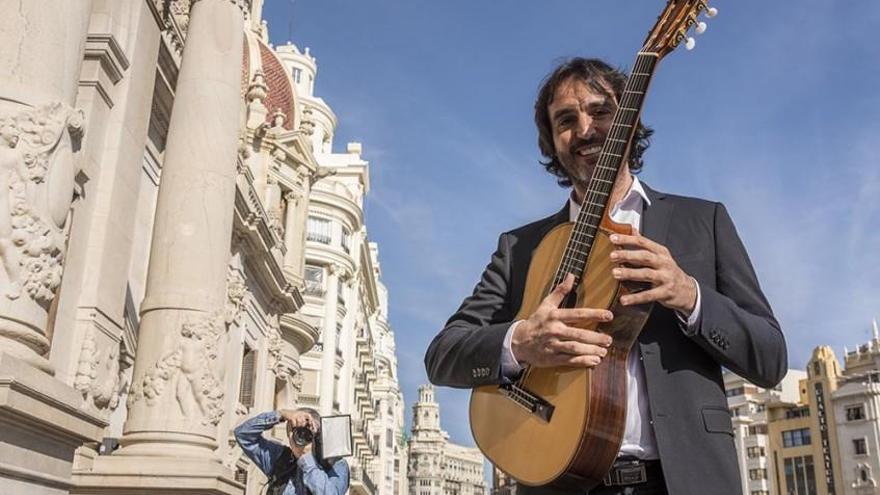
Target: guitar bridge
(535, 405)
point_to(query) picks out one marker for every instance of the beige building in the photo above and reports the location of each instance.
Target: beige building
(803, 447)
(159, 166)
(436, 465)
(748, 411)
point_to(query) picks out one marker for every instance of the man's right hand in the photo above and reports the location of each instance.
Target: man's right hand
(547, 338)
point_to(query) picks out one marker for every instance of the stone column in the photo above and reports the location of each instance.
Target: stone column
(294, 233)
(44, 47)
(176, 396)
(42, 418)
(328, 354)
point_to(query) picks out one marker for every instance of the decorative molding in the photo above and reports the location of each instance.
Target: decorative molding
(105, 48)
(236, 289)
(98, 377)
(243, 5)
(33, 146)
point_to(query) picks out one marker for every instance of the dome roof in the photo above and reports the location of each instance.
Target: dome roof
(281, 95)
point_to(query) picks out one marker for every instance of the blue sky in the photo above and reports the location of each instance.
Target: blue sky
(774, 113)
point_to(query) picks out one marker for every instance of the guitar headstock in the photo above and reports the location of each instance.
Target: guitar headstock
(672, 26)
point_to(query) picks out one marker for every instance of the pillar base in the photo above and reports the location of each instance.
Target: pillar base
(140, 475)
(42, 422)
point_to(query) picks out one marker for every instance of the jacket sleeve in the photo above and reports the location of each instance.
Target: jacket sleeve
(332, 481)
(262, 451)
(737, 325)
(467, 352)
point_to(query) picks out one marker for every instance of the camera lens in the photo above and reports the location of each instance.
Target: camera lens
(302, 436)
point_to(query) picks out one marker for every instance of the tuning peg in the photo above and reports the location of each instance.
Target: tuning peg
(711, 12)
(690, 43)
(701, 27)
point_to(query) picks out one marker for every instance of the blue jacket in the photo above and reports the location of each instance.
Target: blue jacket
(309, 473)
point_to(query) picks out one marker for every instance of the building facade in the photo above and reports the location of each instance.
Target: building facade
(162, 164)
(822, 437)
(856, 404)
(748, 410)
(436, 465)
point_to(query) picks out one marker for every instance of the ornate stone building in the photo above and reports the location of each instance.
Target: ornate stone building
(159, 162)
(436, 465)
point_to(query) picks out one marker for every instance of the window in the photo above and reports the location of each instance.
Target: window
(319, 230)
(800, 476)
(757, 474)
(339, 339)
(241, 475)
(297, 75)
(753, 452)
(735, 391)
(800, 412)
(855, 413)
(796, 438)
(246, 386)
(861, 446)
(389, 438)
(760, 492)
(340, 293)
(346, 239)
(756, 430)
(314, 280)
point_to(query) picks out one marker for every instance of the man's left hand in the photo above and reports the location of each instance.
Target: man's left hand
(648, 261)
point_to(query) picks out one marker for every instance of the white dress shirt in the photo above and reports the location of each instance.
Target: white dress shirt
(638, 437)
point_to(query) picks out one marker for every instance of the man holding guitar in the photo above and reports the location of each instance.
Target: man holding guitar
(704, 310)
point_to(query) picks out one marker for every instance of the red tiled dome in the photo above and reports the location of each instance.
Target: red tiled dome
(281, 94)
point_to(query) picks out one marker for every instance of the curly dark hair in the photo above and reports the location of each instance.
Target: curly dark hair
(594, 73)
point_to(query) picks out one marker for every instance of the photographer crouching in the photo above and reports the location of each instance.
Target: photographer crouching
(297, 469)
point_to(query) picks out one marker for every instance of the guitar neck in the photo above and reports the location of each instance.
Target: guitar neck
(614, 153)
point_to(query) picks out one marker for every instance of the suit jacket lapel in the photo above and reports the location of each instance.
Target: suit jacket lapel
(656, 217)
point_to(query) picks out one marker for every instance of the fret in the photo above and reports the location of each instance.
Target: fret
(602, 180)
(632, 91)
(615, 124)
(625, 109)
(641, 73)
(611, 154)
(617, 140)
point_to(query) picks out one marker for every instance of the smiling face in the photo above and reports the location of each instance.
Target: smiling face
(580, 118)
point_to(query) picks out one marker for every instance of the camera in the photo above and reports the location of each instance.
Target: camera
(302, 436)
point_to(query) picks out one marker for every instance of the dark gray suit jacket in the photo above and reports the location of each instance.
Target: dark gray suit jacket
(689, 411)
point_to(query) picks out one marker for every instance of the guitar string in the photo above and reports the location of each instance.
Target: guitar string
(602, 174)
(595, 196)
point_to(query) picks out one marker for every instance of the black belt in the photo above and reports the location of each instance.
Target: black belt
(631, 471)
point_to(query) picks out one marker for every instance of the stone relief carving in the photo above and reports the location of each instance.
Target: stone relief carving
(36, 191)
(275, 348)
(192, 368)
(275, 222)
(235, 292)
(98, 375)
(307, 124)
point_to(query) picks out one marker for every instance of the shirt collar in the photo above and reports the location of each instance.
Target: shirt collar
(631, 200)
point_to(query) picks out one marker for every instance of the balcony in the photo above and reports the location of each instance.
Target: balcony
(361, 483)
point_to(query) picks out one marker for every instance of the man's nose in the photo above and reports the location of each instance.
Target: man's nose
(585, 128)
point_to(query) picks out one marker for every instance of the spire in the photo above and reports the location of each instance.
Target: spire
(876, 331)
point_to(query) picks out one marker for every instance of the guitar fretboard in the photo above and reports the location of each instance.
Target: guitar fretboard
(613, 153)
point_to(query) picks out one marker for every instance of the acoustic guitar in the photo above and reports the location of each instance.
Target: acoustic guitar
(564, 421)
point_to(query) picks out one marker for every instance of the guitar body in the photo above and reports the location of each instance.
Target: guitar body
(584, 433)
